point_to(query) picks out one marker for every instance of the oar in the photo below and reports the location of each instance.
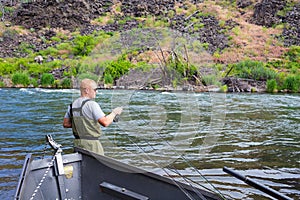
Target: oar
(257, 185)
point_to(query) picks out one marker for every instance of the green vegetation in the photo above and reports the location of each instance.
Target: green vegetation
(66, 83)
(292, 83)
(78, 55)
(253, 70)
(47, 80)
(83, 45)
(20, 79)
(117, 68)
(271, 86)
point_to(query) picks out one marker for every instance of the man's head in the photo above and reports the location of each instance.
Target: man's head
(88, 88)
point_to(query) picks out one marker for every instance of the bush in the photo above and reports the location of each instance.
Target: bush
(292, 83)
(34, 82)
(83, 45)
(271, 86)
(47, 80)
(7, 68)
(20, 78)
(293, 54)
(50, 51)
(224, 88)
(2, 84)
(210, 80)
(35, 69)
(182, 69)
(118, 68)
(108, 79)
(253, 70)
(66, 83)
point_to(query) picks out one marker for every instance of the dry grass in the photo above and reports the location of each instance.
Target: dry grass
(20, 30)
(248, 40)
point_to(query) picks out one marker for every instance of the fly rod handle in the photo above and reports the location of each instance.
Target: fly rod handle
(257, 185)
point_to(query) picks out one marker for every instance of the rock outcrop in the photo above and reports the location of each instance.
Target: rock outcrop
(267, 13)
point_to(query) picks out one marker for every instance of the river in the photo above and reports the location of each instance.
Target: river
(195, 134)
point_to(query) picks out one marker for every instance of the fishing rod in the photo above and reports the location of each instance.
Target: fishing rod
(184, 159)
(116, 119)
(189, 164)
(125, 104)
(257, 185)
(173, 180)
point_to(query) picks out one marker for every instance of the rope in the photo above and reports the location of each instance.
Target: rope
(50, 164)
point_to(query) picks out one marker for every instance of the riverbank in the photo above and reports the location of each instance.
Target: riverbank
(65, 39)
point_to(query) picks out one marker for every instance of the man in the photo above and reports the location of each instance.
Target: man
(85, 116)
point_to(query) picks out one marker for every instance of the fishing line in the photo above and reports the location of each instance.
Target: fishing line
(173, 179)
(193, 181)
(186, 180)
(184, 159)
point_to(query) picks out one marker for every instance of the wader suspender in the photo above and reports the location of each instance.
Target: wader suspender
(81, 114)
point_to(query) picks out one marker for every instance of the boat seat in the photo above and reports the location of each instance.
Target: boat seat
(121, 192)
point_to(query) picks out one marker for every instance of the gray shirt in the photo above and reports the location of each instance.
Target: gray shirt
(91, 109)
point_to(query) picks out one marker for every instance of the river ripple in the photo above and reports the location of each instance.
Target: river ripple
(192, 134)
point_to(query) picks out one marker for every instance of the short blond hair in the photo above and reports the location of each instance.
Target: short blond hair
(88, 84)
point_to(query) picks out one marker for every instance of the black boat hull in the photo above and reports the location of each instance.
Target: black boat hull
(84, 175)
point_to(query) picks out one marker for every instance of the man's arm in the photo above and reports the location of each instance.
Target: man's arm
(108, 119)
(67, 123)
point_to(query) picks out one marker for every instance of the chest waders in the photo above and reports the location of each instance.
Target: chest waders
(86, 131)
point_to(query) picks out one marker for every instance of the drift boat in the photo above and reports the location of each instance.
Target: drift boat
(85, 175)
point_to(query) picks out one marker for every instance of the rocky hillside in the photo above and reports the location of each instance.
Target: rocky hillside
(232, 31)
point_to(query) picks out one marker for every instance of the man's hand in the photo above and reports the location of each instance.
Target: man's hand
(118, 110)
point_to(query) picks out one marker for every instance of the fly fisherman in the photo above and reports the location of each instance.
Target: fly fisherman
(85, 116)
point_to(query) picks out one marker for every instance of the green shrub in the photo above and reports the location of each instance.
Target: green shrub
(293, 54)
(66, 83)
(182, 69)
(2, 84)
(118, 68)
(210, 80)
(271, 86)
(64, 46)
(55, 39)
(253, 70)
(26, 48)
(47, 79)
(263, 73)
(34, 82)
(175, 83)
(83, 45)
(50, 51)
(20, 78)
(292, 83)
(108, 79)
(224, 88)
(53, 64)
(35, 69)
(144, 66)
(7, 68)
(88, 66)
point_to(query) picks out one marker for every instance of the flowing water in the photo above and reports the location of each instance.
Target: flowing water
(191, 136)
